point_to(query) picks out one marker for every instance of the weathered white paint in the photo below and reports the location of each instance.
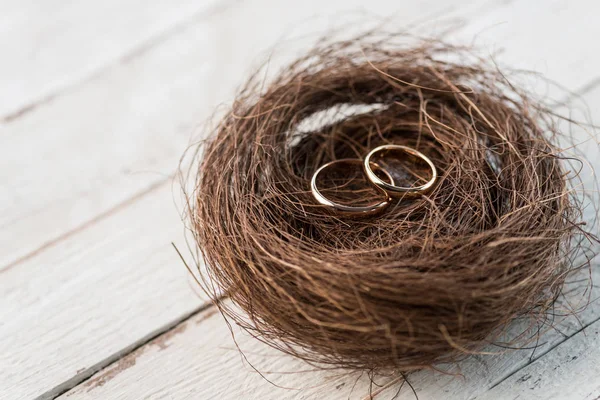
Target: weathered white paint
(548, 37)
(570, 371)
(48, 46)
(72, 307)
(199, 360)
(76, 158)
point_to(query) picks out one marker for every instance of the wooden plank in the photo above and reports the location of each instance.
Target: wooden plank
(200, 360)
(49, 46)
(68, 312)
(104, 142)
(525, 35)
(570, 371)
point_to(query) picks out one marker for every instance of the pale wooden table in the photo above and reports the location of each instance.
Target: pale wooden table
(98, 101)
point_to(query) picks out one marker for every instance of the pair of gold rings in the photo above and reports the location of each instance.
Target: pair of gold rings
(387, 189)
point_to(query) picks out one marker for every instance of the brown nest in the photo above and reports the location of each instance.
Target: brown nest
(431, 278)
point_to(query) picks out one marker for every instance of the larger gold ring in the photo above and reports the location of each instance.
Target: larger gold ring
(356, 211)
(393, 190)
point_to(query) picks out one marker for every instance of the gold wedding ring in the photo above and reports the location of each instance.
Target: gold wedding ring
(355, 211)
(392, 189)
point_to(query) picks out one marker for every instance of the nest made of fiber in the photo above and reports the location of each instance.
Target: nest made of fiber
(429, 279)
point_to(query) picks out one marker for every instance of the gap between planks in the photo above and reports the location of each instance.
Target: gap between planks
(103, 215)
(210, 309)
(163, 331)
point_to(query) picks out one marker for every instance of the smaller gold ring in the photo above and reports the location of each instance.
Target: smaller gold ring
(351, 210)
(393, 190)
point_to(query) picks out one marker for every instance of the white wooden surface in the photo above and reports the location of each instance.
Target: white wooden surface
(100, 99)
(50, 46)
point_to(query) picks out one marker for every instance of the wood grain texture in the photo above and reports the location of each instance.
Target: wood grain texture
(200, 360)
(570, 371)
(67, 311)
(547, 38)
(51, 45)
(102, 143)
